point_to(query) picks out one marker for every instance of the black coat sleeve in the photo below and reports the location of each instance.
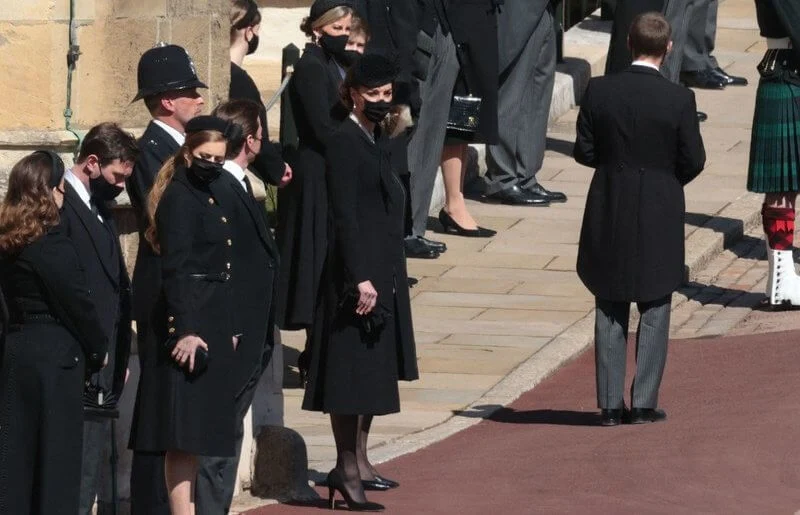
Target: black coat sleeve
(177, 223)
(310, 80)
(268, 165)
(56, 263)
(584, 151)
(124, 335)
(343, 198)
(691, 152)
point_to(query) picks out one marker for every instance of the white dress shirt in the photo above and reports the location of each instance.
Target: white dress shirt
(645, 63)
(81, 190)
(238, 173)
(177, 136)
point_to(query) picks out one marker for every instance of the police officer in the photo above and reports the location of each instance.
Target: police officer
(168, 84)
(105, 159)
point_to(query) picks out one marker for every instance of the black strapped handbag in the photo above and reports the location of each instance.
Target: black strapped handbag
(464, 115)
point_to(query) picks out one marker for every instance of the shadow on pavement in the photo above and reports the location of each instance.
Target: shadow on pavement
(734, 239)
(546, 416)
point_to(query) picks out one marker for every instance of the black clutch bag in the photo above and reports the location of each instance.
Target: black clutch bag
(201, 358)
(373, 322)
(464, 114)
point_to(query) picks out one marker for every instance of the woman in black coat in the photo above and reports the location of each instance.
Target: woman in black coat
(191, 411)
(363, 336)
(53, 336)
(302, 230)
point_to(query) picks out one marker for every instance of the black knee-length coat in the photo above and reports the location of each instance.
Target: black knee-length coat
(352, 372)
(640, 133)
(194, 414)
(303, 205)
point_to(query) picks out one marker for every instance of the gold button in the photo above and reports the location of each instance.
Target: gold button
(224, 220)
(171, 330)
(230, 243)
(210, 200)
(228, 265)
(171, 319)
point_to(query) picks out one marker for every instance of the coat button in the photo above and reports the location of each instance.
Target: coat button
(228, 265)
(171, 330)
(76, 359)
(171, 319)
(224, 220)
(210, 200)
(230, 243)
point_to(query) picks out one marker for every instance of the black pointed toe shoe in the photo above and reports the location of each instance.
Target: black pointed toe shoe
(452, 227)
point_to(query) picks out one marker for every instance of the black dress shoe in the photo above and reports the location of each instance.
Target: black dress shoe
(701, 116)
(452, 226)
(416, 248)
(729, 80)
(551, 196)
(646, 415)
(516, 196)
(610, 417)
(388, 482)
(702, 79)
(374, 485)
(438, 246)
(412, 281)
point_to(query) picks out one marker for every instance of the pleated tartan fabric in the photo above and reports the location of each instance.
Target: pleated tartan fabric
(775, 144)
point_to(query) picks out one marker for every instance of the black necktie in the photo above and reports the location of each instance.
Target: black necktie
(248, 187)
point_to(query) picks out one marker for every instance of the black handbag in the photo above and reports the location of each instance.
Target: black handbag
(464, 115)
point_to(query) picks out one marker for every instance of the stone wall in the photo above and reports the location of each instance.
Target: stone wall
(111, 34)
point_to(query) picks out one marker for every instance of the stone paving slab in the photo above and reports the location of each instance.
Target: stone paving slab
(494, 317)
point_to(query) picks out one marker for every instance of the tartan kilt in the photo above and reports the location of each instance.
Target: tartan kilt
(775, 143)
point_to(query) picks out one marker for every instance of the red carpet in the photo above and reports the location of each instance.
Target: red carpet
(730, 444)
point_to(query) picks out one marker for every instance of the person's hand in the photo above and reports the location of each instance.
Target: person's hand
(287, 176)
(235, 339)
(185, 348)
(367, 298)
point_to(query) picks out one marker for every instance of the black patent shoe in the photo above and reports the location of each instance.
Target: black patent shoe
(374, 485)
(416, 248)
(388, 482)
(610, 417)
(702, 79)
(701, 116)
(336, 484)
(551, 196)
(438, 246)
(452, 227)
(729, 80)
(647, 415)
(516, 196)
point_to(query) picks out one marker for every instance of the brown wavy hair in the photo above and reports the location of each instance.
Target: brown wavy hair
(165, 175)
(29, 209)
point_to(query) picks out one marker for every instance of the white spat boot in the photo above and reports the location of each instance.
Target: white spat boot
(783, 285)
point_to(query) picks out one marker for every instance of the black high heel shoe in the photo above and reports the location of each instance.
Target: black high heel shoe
(336, 483)
(452, 227)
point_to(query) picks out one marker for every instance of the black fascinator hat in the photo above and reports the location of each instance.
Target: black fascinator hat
(230, 131)
(320, 7)
(373, 70)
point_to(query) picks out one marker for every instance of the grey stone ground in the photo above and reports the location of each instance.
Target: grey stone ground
(495, 317)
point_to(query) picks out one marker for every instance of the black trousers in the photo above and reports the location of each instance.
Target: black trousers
(216, 477)
(148, 484)
(41, 422)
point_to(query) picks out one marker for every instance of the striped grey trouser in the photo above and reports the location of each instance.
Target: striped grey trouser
(611, 335)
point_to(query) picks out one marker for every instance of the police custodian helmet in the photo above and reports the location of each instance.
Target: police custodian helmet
(166, 68)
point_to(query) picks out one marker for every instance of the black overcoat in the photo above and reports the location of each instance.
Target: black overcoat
(352, 372)
(254, 262)
(474, 30)
(155, 147)
(194, 414)
(41, 376)
(302, 229)
(619, 55)
(268, 165)
(98, 248)
(640, 132)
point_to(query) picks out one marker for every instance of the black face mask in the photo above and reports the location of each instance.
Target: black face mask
(348, 58)
(252, 45)
(102, 190)
(334, 45)
(205, 170)
(376, 111)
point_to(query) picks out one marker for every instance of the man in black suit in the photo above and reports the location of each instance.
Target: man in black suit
(252, 268)
(106, 157)
(640, 132)
(168, 85)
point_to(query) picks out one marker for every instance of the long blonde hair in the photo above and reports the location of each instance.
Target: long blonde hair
(165, 175)
(308, 26)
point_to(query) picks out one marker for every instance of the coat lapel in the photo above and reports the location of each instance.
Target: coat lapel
(255, 212)
(92, 225)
